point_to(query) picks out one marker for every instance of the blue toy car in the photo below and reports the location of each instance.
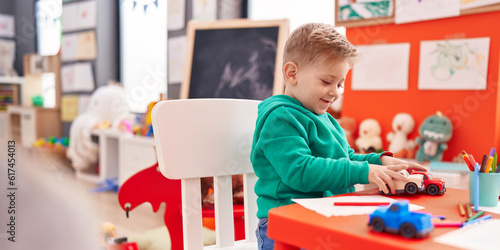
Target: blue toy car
(397, 219)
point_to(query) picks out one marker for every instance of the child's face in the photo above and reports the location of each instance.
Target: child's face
(317, 86)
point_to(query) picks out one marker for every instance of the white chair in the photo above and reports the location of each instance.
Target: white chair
(198, 138)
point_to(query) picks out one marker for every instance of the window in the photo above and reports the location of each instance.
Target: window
(143, 51)
(48, 26)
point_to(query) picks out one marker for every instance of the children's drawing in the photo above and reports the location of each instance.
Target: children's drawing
(452, 58)
(348, 10)
(469, 4)
(407, 11)
(454, 64)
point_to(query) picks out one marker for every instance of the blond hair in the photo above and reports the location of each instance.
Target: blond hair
(314, 42)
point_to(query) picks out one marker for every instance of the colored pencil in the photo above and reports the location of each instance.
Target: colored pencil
(469, 210)
(486, 217)
(475, 216)
(467, 161)
(476, 187)
(461, 209)
(483, 164)
(494, 164)
(488, 164)
(449, 224)
(492, 152)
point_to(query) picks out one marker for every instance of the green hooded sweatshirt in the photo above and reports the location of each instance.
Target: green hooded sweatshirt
(299, 154)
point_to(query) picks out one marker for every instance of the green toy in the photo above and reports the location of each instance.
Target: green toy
(435, 132)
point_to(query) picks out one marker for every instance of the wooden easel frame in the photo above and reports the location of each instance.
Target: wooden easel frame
(193, 26)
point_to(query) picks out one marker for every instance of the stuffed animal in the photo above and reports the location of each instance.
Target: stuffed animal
(435, 131)
(107, 104)
(402, 124)
(369, 140)
(350, 129)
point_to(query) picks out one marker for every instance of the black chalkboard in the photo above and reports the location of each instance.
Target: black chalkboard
(234, 62)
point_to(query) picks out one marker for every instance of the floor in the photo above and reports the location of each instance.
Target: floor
(55, 210)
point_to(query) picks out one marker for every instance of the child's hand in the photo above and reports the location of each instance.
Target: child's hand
(382, 175)
(389, 160)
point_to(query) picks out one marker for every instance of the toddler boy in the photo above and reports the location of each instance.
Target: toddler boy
(299, 150)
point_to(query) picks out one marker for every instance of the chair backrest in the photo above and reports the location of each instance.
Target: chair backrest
(198, 138)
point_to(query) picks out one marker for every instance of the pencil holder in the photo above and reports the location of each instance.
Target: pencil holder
(489, 189)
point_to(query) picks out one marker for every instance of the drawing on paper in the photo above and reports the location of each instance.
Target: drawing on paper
(454, 64)
(348, 10)
(452, 58)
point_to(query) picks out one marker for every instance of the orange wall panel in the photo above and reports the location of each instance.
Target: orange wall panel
(475, 113)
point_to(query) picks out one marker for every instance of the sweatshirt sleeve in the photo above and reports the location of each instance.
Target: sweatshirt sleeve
(371, 158)
(284, 141)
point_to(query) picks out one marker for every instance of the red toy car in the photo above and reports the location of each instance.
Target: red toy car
(433, 186)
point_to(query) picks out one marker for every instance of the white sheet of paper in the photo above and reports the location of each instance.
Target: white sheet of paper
(86, 45)
(176, 58)
(469, 4)
(383, 67)
(458, 64)
(495, 210)
(175, 16)
(79, 15)
(69, 17)
(7, 26)
(86, 17)
(482, 235)
(68, 47)
(204, 10)
(407, 11)
(324, 206)
(229, 9)
(77, 77)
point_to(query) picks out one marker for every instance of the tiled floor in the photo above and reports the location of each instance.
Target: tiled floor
(55, 210)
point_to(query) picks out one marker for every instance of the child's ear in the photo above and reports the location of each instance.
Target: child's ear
(290, 70)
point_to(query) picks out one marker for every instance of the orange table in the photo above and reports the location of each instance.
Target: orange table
(294, 226)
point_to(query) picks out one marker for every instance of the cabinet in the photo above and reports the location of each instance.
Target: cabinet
(42, 76)
(135, 154)
(27, 124)
(121, 156)
(9, 91)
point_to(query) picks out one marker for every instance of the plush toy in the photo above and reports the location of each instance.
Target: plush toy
(369, 140)
(435, 131)
(350, 129)
(107, 104)
(402, 124)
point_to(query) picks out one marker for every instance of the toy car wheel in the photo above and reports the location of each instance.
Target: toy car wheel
(388, 188)
(408, 230)
(378, 224)
(432, 189)
(411, 188)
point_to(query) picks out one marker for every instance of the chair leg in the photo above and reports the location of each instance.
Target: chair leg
(239, 228)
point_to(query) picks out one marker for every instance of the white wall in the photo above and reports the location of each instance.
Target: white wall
(297, 12)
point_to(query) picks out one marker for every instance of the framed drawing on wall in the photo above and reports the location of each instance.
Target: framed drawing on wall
(234, 59)
(349, 13)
